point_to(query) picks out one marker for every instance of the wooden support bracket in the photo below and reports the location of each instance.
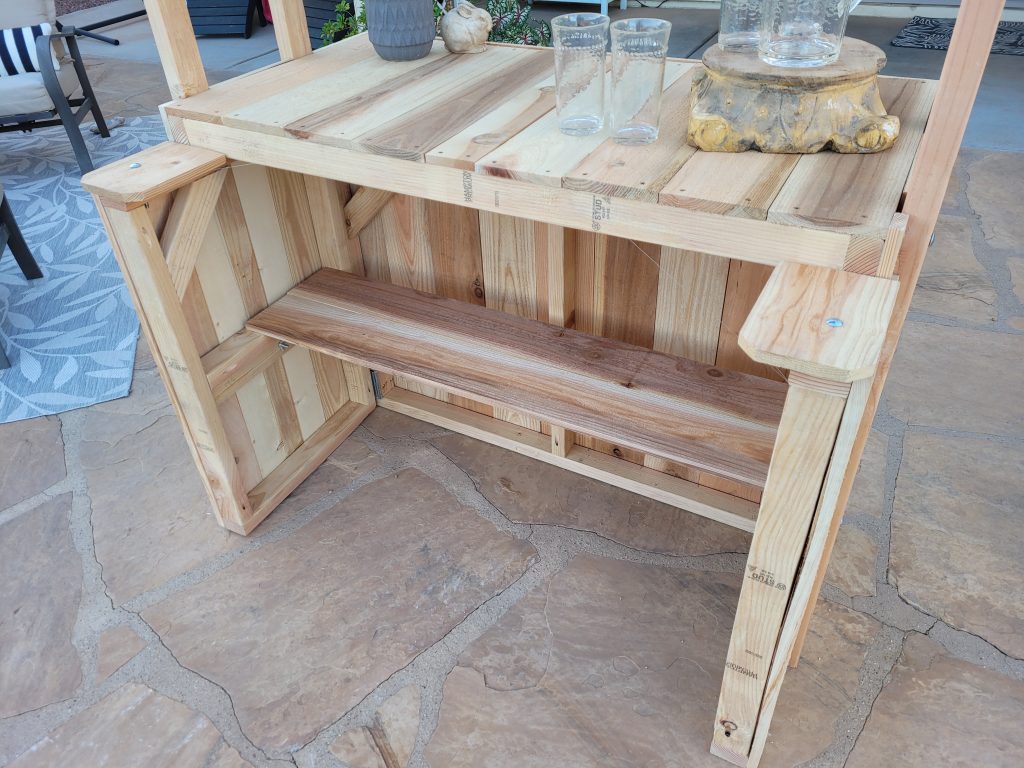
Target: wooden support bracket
(363, 208)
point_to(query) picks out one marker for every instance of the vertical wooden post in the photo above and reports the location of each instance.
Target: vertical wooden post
(290, 29)
(142, 261)
(561, 294)
(176, 44)
(827, 328)
(807, 432)
(961, 76)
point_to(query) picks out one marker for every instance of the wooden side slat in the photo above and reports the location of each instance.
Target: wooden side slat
(238, 359)
(338, 248)
(276, 486)
(744, 285)
(756, 241)
(182, 235)
(622, 474)
(807, 432)
(364, 206)
(292, 208)
(216, 275)
(241, 441)
(197, 317)
(257, 201)
(721, 423)
(142, 261)
(257, 405)
(331, 381)
(303, 392)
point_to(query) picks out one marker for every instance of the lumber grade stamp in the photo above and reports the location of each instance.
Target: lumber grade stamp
(740, 103)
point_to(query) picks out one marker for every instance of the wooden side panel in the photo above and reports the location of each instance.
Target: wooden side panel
(269, 230)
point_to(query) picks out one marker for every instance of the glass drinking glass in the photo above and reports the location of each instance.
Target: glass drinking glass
(803, 33)
(639, 47)
(740, 25)
(580, 40)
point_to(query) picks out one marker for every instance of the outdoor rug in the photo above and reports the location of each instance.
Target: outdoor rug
(924, 32)
(70, 336)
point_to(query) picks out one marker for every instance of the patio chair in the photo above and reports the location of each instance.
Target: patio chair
(10, 235)
(46, 98)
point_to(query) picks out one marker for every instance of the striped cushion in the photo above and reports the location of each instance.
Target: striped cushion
(18, 49)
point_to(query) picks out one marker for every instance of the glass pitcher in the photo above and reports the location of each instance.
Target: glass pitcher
(803, 33)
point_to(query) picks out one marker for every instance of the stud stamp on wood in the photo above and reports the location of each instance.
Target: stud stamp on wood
(741, 103)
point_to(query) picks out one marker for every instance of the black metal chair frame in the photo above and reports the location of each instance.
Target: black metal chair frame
(64, 111)
(10, 235)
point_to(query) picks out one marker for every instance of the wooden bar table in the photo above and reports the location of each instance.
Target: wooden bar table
(336, 233)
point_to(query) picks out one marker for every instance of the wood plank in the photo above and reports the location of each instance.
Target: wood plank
(235, 232)
(292, 208)
(220, 287)
(264, 84)
(241, 441)
(466, 147)
(691, 295)
(745, 283)
(142, 261)
(176, 44)
(302, 385)
(807, 432)
(815, 558)
(276, 486)
(542, 154)
(146, 175)
(760, 242)
(641, 172)
(724, 424)
(257, 404)
(413, 134)
(622, 474)
(197, 317)
(419, 89)
(357, 79)
(331, 382)
(290, 29)
(339, 249)
(742, 184)
(363, 208)
(266, 237)
(183, 234)
(893, 242)
(238, 359)
(858, 193)
(821, 322)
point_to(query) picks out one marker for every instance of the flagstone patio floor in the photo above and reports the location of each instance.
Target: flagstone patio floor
(424, 599)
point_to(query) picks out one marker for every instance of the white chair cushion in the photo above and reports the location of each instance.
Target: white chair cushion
(20, 13)
(24, 94)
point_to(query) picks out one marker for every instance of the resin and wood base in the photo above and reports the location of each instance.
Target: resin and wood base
(738, 103)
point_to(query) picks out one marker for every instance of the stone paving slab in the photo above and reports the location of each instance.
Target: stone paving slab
(940, 711)
(131, 728)
(332, 611)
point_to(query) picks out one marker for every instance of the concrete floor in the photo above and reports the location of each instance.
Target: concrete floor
(444, 603)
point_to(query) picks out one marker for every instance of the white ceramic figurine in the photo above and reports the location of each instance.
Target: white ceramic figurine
(465, 28)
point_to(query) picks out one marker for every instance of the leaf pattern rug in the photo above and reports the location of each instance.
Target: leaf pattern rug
(70, 336)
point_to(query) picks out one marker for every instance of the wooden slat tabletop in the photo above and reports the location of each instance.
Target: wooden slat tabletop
(493, 113)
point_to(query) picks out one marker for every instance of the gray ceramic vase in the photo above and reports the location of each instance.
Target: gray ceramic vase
(401, 30)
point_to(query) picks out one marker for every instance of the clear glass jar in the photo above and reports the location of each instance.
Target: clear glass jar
(740, 25)
(803, 33)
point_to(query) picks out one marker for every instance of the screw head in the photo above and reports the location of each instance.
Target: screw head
(833, 322)
(283, 345)
(133, 166)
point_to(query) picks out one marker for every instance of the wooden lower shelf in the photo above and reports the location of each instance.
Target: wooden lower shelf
(697, 415)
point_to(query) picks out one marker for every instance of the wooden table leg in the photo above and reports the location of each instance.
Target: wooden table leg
(806, 437)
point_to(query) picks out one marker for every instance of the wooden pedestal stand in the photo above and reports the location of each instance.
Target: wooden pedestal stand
(741, 103)
(710, 330)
